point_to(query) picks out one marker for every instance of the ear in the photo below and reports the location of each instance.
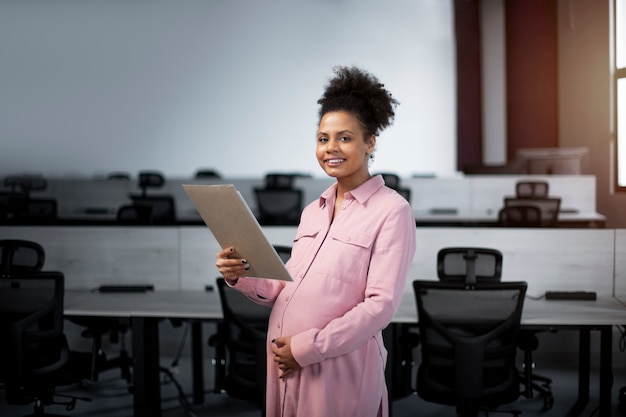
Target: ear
(371, 144)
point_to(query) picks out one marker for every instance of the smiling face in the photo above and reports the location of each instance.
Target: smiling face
(343, 150)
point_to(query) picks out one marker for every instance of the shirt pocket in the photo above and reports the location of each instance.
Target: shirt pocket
(301, 244)
(348, 256)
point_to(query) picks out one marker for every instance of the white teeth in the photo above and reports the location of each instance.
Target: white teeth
(335, 161)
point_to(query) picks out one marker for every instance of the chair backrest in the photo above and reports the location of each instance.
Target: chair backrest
(279, 181)
(37, 210)
(531, 189)
(150, 179)
(207, 173)
(161, 208)
(26, 183)
(118, 176)
(469, 265)
(20, 256)
(31, 323)
(245, 333)
(134, 214)
(549, 207)
(468, 341)
(279, 206)
(10, 204)
(391, 180)
(520, 216)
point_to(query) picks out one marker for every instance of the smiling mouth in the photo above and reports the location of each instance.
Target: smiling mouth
(335, 161)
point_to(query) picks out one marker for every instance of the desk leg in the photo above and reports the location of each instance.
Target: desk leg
(606, 370)
(197, 362)
(584, 372)
(147, 387)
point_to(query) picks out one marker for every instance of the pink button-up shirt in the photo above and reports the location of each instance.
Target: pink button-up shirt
(349, 275)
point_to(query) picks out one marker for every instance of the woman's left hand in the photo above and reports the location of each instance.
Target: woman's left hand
(281, 348)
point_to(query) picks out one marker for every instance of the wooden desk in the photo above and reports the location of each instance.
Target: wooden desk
(146, 309)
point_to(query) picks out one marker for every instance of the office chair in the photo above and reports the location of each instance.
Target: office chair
(469, 265)
(549, 207)
(162, 207)
(531, 189)
(468, 338)
(25, 183)
(244, 334)
(280, 181)
(278, 203)
(206, 173)
(18, 256)
(393, 181)
(11, 202)
(240, 343)
(134, 214)
(520, 216)
(118, 176)
(36, 211)
(34, 354)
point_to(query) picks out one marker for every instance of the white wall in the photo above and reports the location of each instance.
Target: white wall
(90, 87)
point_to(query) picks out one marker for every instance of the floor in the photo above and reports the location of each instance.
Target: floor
(111, 398)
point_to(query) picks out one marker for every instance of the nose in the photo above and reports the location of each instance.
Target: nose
(331, 146)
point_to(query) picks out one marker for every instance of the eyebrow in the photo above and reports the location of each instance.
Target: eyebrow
(339, 133)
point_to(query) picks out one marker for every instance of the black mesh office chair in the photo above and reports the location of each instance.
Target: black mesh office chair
(34, 354)
(134, 214)
(469, 265)
(532, 189)
(468, 338)
(207, 173)
(24, 256)
(548, 206)
(520, 216)
(37, 211)
(393, 181)
(244, 337)
(240, 343)
(278, 203)
(19, 207)
(17, 255)
(152, 208)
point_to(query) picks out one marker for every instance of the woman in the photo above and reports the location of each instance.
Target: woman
(349, 263)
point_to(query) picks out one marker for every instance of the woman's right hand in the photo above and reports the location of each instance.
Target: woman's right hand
(230, 268)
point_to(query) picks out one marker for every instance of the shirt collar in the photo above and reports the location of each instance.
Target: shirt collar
(361, 193)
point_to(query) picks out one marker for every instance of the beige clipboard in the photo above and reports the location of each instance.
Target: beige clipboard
(232, 223)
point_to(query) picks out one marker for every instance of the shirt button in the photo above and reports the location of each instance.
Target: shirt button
(343, 207)
(278, 325)
(286, 298)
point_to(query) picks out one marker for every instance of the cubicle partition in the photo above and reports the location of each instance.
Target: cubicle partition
(183, 257)
(469, 200)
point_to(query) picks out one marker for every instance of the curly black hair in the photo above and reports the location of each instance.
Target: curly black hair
(360, 93)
